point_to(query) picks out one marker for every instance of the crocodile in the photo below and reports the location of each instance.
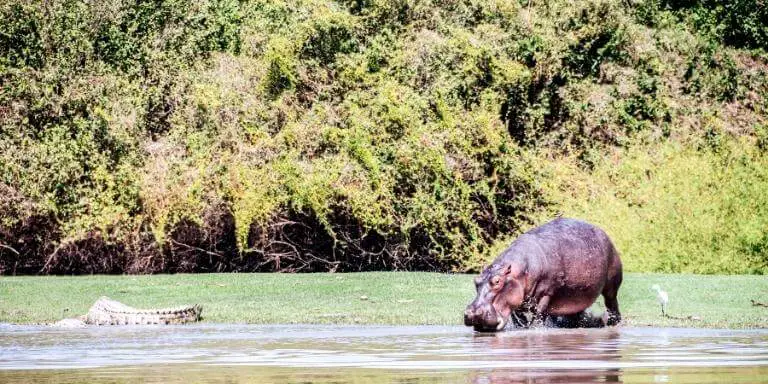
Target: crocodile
(106, 311)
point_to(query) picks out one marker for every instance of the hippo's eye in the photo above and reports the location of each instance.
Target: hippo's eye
(495, 280)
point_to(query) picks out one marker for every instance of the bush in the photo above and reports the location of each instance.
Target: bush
(713, 72)
(675, 209)
(740, 23)
(20, 37)
(281, 73)
(216, 135)
(600, 37)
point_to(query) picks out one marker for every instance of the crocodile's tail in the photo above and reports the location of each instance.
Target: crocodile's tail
(106, 311)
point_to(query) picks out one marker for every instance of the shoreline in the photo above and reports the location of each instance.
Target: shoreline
(369, 298)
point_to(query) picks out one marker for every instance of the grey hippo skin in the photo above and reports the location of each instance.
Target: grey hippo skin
(106, 311)
(555, 271)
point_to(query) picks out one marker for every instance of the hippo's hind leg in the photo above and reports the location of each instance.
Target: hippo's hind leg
(610, 293)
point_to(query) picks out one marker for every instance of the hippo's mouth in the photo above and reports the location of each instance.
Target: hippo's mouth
(500, 324)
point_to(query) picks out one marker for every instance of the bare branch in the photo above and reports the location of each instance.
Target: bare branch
(207, 252)
(8, 247)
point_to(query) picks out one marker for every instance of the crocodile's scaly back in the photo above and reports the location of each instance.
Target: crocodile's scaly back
(109, 312)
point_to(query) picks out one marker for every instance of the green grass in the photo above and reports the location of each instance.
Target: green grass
(366, 298)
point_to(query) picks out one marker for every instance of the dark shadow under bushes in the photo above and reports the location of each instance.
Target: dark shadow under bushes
(34, 245)
(291, 242)
(92, 254)
(25, 233)
(299, 242)
(23, 244)
(209, 246)
(294, 242)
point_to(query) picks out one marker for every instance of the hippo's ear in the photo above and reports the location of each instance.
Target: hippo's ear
(509, 276)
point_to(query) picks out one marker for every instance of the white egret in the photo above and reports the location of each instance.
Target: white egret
(662, 297)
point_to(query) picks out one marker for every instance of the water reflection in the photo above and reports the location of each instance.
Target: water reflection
(242, 353)
(554, 347)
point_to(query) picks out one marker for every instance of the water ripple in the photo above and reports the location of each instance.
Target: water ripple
(406, 349)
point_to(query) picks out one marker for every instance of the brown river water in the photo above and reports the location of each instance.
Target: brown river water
(373, 354)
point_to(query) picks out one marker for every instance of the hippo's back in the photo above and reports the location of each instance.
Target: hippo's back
(572, 238)
(577, 254)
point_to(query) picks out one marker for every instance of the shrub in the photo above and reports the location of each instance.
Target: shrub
(600, 37)
(20, 39)
(281, 73)
(714, 72)
(219, 135)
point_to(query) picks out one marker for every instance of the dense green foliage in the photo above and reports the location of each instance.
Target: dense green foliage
(741, 23)
(675, 209)
(236, 135)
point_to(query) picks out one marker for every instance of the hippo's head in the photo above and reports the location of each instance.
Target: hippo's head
(498, 294)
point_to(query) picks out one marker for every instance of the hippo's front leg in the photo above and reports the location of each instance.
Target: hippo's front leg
(542, 309)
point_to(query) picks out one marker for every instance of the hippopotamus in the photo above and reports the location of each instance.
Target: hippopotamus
(556, 270)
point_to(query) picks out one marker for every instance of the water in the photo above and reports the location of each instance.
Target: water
(309, 353)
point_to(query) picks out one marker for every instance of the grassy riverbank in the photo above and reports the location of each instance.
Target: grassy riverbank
(365, 298)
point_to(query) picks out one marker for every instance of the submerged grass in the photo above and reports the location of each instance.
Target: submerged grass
(409, 298)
